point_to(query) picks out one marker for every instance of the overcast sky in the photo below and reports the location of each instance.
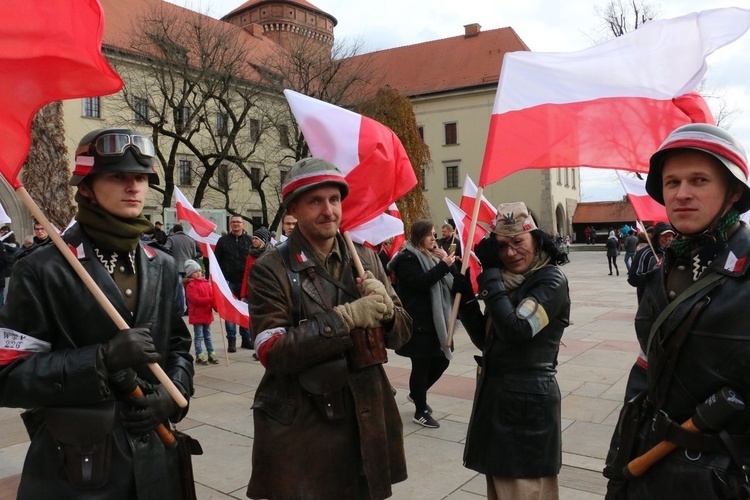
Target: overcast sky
(544, 25)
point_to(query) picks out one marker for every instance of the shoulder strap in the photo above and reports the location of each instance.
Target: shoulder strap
(692, 290)
(294, 282)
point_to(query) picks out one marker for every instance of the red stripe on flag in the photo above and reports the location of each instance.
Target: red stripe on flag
(619, 132)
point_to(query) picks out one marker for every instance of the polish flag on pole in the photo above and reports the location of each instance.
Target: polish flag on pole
(379, 229)
(609, 106)
(186, 212)
(229, 307)
(463, 222)
(399, 239)
(646, 209)
(486, 211)
(204, 241)
(368, 153)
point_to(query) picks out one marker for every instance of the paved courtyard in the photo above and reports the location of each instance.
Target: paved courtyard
(600, 349)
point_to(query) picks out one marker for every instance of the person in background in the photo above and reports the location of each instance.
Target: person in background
(40, 234)
(71, 367)
(326, 422)
(260, 245)
(630, 245)
(689, 323)
(515, 433)
(613, 250)
(183, 247)
(449, 241)
(645, 259)
(200, 299)
(423, 273)
(288, 223)
(159, 235)
(231, 253)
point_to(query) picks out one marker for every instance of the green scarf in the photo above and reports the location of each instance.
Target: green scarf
(684, 247)
(108, 231)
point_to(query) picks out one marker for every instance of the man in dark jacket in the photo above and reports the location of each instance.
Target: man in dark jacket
(315, 393)
(689, 324)
(159, 235)
(645, 259)
(231, 253)
(67, 359)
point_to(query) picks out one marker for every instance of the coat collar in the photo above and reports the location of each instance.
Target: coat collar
(735, 260)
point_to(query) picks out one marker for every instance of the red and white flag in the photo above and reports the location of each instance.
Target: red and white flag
(16, 345)
(368, 153)
(646, 209)
(379, 229)
(463, 222)
(609, 106)
(229, 307)
(186, 212)
(486, 211)
(204, 241)
(4, 218)
(50, 51)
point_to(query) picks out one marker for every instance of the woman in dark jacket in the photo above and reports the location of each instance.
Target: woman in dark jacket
(514, 435)
(424, 281)
(613, 250)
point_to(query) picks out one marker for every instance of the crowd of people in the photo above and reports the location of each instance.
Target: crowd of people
(323, 313)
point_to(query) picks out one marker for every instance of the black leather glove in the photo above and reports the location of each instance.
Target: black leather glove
(488, 252)
(147, 412)
(462, 285)
(124, 381)
(130, 347)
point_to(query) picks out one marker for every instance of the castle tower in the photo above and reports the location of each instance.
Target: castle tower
(284, 20)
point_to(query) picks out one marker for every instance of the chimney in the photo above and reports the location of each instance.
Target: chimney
(471, 30)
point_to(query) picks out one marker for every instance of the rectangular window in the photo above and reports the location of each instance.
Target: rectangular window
(91, 108)
(559, 177)
(451, 133)
(254, 129)
(221, 124)
(573, 180)
(283, 174)
(140, 110)
(185, 172)
(451, 176)
(256, 171)
(424, 179)
(421, 132)
(222, 177)
(567, 172)
(284, 136)
(181, 117)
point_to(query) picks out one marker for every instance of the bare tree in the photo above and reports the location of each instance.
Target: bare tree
(45, 173)
(394, 110)
(189, 79)
(622, 16)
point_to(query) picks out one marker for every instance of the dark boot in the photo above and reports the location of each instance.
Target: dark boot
(232, 345)
(246, 344)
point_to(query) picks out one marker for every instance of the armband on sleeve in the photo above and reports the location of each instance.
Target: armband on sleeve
(532, 312)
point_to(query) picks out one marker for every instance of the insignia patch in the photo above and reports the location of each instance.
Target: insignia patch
(530, 310)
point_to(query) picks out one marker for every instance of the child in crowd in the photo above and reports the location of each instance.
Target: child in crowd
(200, 298)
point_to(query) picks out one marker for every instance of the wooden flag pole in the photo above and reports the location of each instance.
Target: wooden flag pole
(102, 299)
(355, 255)
(464, 264)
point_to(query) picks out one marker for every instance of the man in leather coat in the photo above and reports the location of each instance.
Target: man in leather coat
(324, 428)
(689, 323)
(62, 357)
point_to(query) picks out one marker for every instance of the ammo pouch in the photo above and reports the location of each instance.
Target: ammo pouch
(84, 435)
(631, 419)
(325, 384)
(368, 348)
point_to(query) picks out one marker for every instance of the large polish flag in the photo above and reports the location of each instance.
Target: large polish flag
(463, 223)
(645, 207)
(486, 211)
(204, 241)
(609, 106)
(368, 153)
(229, 307)
(186, 212)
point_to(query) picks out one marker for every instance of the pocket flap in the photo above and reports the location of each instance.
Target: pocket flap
(527, 384)
(281, 411)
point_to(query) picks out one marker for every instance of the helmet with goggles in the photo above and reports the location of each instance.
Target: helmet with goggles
(114, 150)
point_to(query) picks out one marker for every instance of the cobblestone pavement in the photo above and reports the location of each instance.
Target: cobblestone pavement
(600, 349)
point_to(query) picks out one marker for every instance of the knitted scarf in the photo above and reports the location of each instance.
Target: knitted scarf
(440, 297)
(684, 247)
(513, 281)
(110, 232)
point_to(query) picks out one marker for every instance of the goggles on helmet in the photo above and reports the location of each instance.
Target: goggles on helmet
(115, 143)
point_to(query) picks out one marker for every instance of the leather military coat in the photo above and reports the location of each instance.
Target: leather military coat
(715, 353)
(297, 451)
(515, 430)
(49, 302)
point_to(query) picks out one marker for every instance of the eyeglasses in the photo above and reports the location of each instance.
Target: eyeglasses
(114, 144)
(516, 246)
(38, 229)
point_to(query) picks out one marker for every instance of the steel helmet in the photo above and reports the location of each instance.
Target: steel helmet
(309, 173)
(114, 150)
(709, 139)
